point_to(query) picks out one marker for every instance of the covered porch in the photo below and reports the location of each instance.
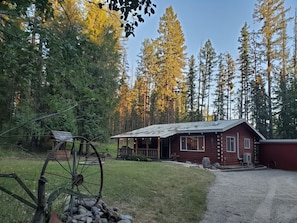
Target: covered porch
(153, 141)
(148, 147)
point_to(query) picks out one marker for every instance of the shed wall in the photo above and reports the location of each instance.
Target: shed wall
(278, 155)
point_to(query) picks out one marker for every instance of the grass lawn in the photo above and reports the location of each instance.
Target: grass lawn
(148, 191)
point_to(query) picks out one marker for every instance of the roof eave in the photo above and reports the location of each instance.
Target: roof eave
(199, 131)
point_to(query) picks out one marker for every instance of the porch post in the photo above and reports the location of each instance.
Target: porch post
(118, 148)
(147, 147)
(136, 145)
(169, 146)
(127, 146)
(159, 147)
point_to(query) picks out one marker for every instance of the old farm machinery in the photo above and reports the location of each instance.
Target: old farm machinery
(71, 172)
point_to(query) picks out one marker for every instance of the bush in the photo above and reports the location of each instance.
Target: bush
(136, 158)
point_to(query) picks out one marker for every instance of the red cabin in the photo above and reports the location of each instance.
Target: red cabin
(227, 142)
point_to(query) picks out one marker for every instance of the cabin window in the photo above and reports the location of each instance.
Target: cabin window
(231, 144)
(247, 143)
(192, 143)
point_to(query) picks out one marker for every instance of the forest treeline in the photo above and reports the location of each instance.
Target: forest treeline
(64, 67)
(259, 85)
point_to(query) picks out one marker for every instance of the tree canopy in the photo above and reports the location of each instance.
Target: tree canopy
(64, 66)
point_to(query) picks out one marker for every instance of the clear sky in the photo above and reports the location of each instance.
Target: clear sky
(217, 20)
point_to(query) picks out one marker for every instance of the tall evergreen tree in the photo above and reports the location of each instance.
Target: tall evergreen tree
(146, 69)
(245, 73)
(283, 92)
(123, 124)
(230, 70)
(207, 63)
(221, 86)
(139, 103)
(172, 60)
(191, 79)
(259, 111)
(270, 13)
(260, 105)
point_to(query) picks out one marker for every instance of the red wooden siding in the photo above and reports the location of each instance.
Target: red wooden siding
(239, 132)
(278, 154)
(215, 147)
(197, 156)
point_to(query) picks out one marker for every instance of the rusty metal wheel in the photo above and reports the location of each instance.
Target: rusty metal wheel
(72, 171)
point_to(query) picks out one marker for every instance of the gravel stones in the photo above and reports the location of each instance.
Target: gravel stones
(252, 196)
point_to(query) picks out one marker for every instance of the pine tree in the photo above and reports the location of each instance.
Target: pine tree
(258, 119)
(271, 14)
(139, 103)
(191, 89)
(293, 86)
(221, 79)
(207, 62)
(172, 60)
(245, 73)
(230, 70)
(147, 68)
(125, 101)
(283, 92)
(260, 105)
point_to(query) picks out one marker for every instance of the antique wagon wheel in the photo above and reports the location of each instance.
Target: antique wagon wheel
(74, 169)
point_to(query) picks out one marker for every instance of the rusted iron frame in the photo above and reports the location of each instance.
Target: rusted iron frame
(41, 212)
(21, 183)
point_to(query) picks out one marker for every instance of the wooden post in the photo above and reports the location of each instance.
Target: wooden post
(118, 148)
(136, 145)
(146, 146)
(127, 143)
(159, 142)
(169, 146)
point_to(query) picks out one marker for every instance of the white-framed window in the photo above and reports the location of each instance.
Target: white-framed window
(230, 144)
(247, 143)
(192, 143)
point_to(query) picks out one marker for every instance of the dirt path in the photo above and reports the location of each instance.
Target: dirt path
(260, 196)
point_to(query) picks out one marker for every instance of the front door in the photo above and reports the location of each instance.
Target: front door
(165, 148)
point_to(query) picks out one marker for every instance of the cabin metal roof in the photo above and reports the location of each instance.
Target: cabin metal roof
(166, 130)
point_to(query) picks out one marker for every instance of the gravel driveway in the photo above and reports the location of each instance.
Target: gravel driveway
(258, 196)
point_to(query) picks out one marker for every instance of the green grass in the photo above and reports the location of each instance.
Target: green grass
(12, 210)
(156, 191)
(148, 191)
(110, 148)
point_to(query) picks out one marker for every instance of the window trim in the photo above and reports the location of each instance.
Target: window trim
(201, 149)
(247, 140)
(233, 141)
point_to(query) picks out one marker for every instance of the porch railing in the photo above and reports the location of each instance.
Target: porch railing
(150, 152)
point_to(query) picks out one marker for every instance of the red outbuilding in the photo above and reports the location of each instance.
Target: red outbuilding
(279, 153)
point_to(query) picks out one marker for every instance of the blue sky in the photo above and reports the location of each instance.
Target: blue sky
(217, 20)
